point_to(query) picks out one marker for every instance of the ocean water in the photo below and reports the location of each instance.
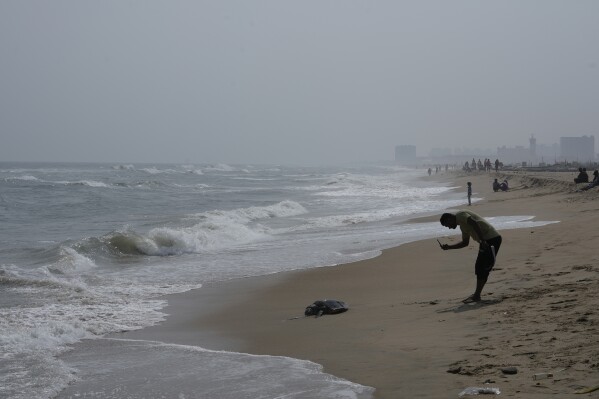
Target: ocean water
(91, 249)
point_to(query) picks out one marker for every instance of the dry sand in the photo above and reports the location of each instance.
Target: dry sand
(407, 334)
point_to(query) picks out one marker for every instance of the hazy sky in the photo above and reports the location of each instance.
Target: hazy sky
(291, 81)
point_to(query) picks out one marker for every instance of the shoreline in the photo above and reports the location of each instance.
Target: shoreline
(406, 327)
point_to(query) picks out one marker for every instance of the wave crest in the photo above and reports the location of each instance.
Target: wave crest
(215, 230)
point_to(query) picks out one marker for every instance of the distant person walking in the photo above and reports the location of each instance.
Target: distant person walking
(475, 227)
(469, 193)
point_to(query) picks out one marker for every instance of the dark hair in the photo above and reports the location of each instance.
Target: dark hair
(445, 217)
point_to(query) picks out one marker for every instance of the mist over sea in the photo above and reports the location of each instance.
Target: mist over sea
(91, 249)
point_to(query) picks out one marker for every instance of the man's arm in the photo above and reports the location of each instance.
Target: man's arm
(464, 243)
(461, 244)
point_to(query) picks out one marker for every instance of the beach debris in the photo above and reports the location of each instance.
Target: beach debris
(509, 370)
(542, 376)
(479, 391)
(454, 370)
(587, 389)
(326, 306)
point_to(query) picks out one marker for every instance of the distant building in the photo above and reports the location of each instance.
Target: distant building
(532, 149)
(533, 155)
(405, 154)
(518, 154)
(578, 149)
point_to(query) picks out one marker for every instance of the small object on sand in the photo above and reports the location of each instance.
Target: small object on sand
(479, 391)
(327, 306)
(542, 376)
(509, 370)
(587, 389)
(455, 370)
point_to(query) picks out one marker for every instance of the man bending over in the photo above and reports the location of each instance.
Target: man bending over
(473, 225)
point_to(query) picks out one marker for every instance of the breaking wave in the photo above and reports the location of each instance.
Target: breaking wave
(214, 230)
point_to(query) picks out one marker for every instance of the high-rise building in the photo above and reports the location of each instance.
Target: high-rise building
(533, 147)
(580, 149)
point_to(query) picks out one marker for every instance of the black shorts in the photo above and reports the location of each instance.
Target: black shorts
(485, 260)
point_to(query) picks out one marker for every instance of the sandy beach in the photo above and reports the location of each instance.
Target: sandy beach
(407, 334)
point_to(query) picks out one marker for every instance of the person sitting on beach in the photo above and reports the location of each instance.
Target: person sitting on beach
(582, 177)
(500, 186)
(475, 227)
(496, 185)
(594, 183)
